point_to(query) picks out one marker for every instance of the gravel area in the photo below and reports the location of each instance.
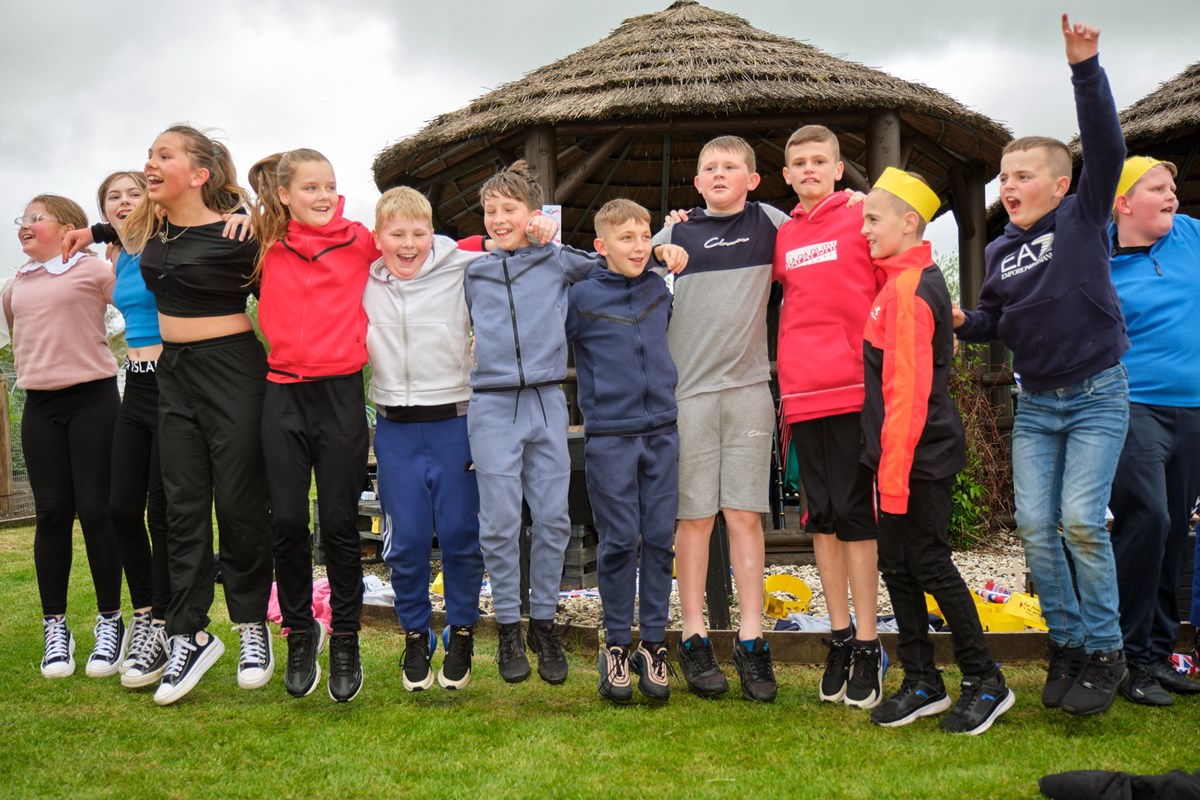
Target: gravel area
(1003, 561)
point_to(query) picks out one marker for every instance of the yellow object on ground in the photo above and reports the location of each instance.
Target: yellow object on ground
(1027, 608)
(786, 584)
(437, 587)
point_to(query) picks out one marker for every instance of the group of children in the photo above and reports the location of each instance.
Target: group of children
(468, 348)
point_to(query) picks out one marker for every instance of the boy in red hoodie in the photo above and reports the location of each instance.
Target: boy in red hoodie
(828, 285)
(913, 441)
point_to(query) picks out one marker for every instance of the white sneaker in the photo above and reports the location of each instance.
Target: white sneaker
(59, 658)
(107, 654)
(149, 658)
(135, 638)
(257, 662)
(191, 656)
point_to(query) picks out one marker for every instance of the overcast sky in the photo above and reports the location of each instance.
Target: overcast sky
(87, 86)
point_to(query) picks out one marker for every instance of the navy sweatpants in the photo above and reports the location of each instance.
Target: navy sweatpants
(427, 486)
(633, 485)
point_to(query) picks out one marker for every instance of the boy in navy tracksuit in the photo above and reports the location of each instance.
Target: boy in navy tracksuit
(617, 319)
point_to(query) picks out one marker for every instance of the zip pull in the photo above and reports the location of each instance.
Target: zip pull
(1157, 268)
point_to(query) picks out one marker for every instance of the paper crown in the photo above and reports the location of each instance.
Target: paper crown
(912, 191)
(1134, 169)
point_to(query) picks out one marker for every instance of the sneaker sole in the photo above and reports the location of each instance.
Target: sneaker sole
(446, 683)
(836, 697)
(705, 692)
(1143, 700)
(202, 665)
(552, 680)
(105, 670)
(142, 680)
(1005, 705)
(928, 710)
(62, 669)
(420, 686)
(659, 693)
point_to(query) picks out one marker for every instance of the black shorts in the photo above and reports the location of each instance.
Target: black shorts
(840, 490)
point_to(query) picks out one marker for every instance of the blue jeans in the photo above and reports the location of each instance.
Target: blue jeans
(1066, 443)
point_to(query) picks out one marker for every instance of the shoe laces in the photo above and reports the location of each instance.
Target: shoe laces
(139, 631)
(548, 646)
(253, 643)
(510, 645)
(181, 646)
(838, 649)
(299, 649)
(1062, 663)
(341, 654)
(461, 643)
(147, 640)
(618, 665)
(1094, 673)
(416, 651)
(1141, 678)
(758, 664)
(108, 637)
(660, 665)
(860, 658)
(58, 639)
(702, 659)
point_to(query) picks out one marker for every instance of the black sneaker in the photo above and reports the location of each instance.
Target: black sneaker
(510, 656)
(58, 659)
(1171, 680)
(543, 640)
(417, 674)
(1062, 670)
(918, 697)
(256, 662)
(699, 667)
(837, 669)
(864, 689)
(149, 658)
(456, 667)
(191, 656)
(1096, 687)
(1142, 688)
(107, 654)
(135, 637)
(982, 701)
(345, 667)
(615, 683)
(755, 671)
(303, 672)
(651, 663)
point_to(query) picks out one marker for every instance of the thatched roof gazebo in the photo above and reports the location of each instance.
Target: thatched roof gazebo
(626, 117)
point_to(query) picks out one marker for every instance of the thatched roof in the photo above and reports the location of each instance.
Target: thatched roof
(689, 62)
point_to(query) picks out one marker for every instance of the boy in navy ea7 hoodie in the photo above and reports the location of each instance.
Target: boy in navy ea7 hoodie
(1048, 295)
(617, 319)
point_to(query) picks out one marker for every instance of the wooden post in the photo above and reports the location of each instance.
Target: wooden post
(970, 211)
(584, 169)
(718, 586)
(883, 141)
(5, 452)
(541, 152)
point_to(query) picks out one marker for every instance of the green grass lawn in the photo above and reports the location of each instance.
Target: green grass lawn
(80, 737)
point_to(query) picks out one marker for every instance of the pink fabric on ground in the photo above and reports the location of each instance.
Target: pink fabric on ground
(320, 605)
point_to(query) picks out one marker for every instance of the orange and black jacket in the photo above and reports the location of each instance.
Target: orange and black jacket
(911, 427)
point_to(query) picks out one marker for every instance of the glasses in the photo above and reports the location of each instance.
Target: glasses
(33, 219)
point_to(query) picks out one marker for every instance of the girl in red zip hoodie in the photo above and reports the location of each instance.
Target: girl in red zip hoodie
(313, 266)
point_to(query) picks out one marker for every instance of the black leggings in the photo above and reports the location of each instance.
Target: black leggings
(66, 436)
(137, 500)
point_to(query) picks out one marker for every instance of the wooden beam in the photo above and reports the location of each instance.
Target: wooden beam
(970, 209)
(584, 169)
(541, 152)
(883, 141)
(906, 150)
(665, 198)
(962, 199)
(854, 178)
(718, 126)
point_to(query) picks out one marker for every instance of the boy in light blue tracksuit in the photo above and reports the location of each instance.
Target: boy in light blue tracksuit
(517, 416)
(617, 320)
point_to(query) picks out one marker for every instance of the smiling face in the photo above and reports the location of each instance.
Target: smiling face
(505, 219)
(405, 243)
(723, 180)
(170, 174)
(1029, 189)
(626, 246)
(888, 230)
(41, 240)
(1146, 213)
(812, 170)
(120, 197)
(311, 195)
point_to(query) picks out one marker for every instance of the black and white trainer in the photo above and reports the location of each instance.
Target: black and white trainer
(135, 637)
(345, 667)
(191, 656)
(615, 683)
(917, 697)
(456, 667)
(651, 663)
(837, 669)
(256, 663)
(865, 687)
(58, 658)
(302, 672)
(106, 654)
(149, 658)
(416, 674)
(981, 703)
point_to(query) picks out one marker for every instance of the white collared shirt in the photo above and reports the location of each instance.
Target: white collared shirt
(54, 265)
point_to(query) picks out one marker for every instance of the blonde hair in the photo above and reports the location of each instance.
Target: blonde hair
(731, 144)
(402, 201)
(220, 192)
(137, 176)
(269, 216)
(616, 212)
(517, 182)
(64, 209)
(814, 133)
(1058, 157)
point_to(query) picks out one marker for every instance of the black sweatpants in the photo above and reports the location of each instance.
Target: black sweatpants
(316, 426)
(66, 436)
(210, 413)
(914, 558)
(137, 500)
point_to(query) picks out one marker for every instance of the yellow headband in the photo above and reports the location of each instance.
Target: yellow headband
(1134, 169)
(912, 191)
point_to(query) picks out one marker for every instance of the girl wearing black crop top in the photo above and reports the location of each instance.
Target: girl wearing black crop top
(210, 377)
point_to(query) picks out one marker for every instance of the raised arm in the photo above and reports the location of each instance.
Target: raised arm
(1100, 134)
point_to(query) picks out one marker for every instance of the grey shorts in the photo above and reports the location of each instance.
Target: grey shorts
(725, 440)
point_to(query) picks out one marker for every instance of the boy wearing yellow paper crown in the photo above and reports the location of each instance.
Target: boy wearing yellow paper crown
(913, 440)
